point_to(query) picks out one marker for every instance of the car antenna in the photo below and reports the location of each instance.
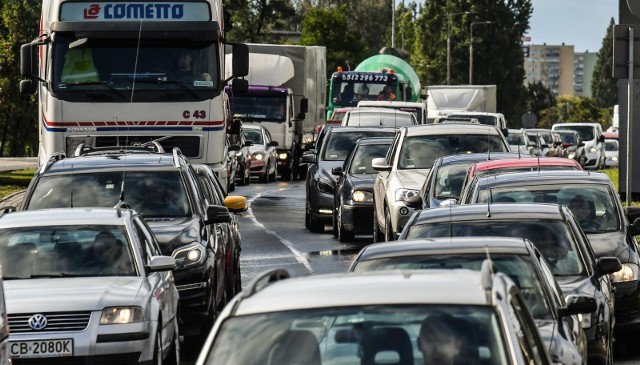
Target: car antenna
(71, 194)
(450, 227)
(489, 145)
(489, 203)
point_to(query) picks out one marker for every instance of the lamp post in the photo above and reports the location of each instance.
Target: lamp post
(393, 24)
(471, 48)
(449, 42)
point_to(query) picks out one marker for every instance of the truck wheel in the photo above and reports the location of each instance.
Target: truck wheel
(286, 175)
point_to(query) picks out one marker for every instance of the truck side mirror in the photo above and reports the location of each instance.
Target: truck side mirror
(28, 61)
(239, 86)
(235, 127)
(27, 87)
(240, 61)
(304, 106)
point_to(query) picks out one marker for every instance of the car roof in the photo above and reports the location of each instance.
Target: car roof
(467, 112)
(458, 287)
(499, 211)
(113, 161)
(445, 245)
(373, 110)
(549, 177)
(64, 217)
(251, 126)
(559, 125)
(525, 162)
(390, 104)
(374, 140)
(347, 129)
(474, 157)
(451, 129)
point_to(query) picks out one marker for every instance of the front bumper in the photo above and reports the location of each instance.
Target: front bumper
(627, 306)
(321, 205)
(611, 161)
(258, 167)
(131, 343)
(357, 218)
(400, 214)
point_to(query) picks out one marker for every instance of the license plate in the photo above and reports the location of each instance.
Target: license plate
(43, 348)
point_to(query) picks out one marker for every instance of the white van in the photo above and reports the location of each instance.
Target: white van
(495, 119)
(378, 117)
(591, 135)
(419, 109)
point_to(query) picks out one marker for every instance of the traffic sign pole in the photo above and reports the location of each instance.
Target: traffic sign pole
(629, 115)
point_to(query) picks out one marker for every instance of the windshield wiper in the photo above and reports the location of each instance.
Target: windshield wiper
(172, 82)
(88, 83)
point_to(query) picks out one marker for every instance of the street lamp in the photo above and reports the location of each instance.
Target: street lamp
(471, 48)
(449, 42)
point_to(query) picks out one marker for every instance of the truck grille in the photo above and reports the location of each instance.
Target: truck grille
(57, 321)
(119, 359)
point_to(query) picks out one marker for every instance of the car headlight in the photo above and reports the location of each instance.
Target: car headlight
(593, 150)
(239, 154)
(572, 155)
(258, 156)
(627, 273)
(585, 319)
(122, 315)
(282, 156)
(614, 158)
(362, 196)
(401, 194)
(324, 186)
(190, 255)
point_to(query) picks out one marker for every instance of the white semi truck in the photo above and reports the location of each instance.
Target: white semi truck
(287, 95)
(443, 100)
(129, 72)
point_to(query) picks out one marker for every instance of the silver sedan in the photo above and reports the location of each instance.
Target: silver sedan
(87, 285)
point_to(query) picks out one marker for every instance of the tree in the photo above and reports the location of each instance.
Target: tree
(253, 20)
(573, 109)
(539, 97)
(604, 87)
(18, 125)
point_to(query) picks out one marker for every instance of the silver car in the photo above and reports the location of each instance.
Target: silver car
(410, 158)
(87, 285)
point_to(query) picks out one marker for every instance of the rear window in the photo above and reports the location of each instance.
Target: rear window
(371, 119)
(151, 193)
(338, 145)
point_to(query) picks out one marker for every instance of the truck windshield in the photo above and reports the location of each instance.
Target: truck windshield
(118, 63)
(349, 89)
(259, 108)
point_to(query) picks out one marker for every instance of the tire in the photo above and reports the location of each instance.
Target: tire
(343, 235)
(237, 286)
(388, 230)
(313, 225)
(334, 225)
(157, 347)
(265, 178)
(274, 176)
(173, 357)
(377, 234)
(286, 175)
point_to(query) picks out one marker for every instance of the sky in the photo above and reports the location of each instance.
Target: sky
(582, 23)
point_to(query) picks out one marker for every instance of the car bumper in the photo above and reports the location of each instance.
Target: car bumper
(627, 306)
(400, 214)
(97, 344)
(258, 167)
(597, 349)
(592, 159)
(195, 286)
(610, 162)
(321, 206)
(357, 218)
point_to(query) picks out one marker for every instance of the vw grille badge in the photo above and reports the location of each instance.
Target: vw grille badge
(38, 322)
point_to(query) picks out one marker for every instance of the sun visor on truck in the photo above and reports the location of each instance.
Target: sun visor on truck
(205, 31)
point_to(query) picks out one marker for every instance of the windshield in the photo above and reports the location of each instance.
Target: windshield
(529, 168)
(585, 131)
(518, 267)
(150, 193)
(419, 152)
(361, 162)
(374, 119)
(568, 138)
(515, 139)
(553, 238)
(347, 89)
(611, 145)
(338, 145)
(65, 251)
(358, 335)
(118, 63)
(449, 180)
(260, 107)
(482, 119)
(593, 204)
(253, 135)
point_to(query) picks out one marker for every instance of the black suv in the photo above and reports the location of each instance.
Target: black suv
(164, 189)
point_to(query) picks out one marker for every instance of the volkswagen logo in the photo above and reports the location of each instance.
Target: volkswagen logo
(38, 322)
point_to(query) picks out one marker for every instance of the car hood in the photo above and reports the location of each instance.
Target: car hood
(257, 148)
(362, 182)
(175, 233)
(71, 294)
(324, 169)
(611, 244)
(412, 179)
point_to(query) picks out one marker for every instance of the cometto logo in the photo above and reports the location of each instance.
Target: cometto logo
(92, 11)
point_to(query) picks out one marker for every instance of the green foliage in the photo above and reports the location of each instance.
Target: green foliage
(254, 20)
(573, 109)
(14, 181)
(603, 86)
(539, 98)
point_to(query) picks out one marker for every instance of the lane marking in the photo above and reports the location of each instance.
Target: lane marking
(297, 254)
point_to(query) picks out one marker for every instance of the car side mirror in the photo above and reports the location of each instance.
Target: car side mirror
(414, 202)
(601, 138)
(161, 263)
(635, 227)
(308, 158)
(337, 171)
(607, 265)
(578, 304)
(309, 145)
(447, 202)
(380, 164)
(581, 144)
(217, 214)
(505, 131)
(272, 144)
(235, 203)
(235, 126)
(248, 144)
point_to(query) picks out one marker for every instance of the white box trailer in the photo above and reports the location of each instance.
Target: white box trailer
(443, 100)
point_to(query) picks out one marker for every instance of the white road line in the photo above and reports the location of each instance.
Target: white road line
(297, 254)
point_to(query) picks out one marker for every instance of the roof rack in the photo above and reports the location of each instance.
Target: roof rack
(271, 276)
(487, 273)
(56, 156)
(177, 153)
(149, 147)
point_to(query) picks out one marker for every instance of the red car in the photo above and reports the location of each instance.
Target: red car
(519, 165)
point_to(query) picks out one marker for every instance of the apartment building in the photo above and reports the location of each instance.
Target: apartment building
(583, 64)
(553, 65)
